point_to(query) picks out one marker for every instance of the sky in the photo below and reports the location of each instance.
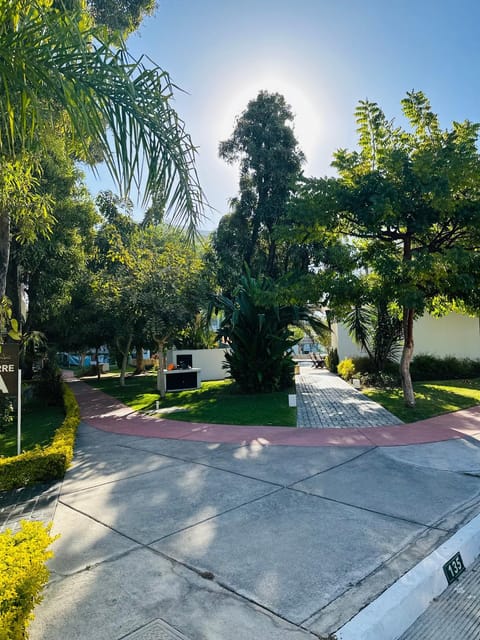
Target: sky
(322, 55)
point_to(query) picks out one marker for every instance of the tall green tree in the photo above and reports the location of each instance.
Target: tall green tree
(56, 64)
(408, 201)
(264, 144)
(50, 267)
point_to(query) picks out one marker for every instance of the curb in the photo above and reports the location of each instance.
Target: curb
(397, 608)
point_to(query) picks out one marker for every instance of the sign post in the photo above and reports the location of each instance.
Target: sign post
(11, 382)
(19, 412)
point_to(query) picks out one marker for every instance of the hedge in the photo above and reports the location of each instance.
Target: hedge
(44, 463)
(23, 575)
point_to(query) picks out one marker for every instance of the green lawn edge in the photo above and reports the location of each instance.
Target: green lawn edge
(433, 398)
(216, 402)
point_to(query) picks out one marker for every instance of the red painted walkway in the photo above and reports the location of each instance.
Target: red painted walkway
(108, 414)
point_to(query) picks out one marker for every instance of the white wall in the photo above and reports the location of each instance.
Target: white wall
(451, 335)
(208, 360)
(343, 343)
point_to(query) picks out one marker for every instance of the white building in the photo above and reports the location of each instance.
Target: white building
(452, 335)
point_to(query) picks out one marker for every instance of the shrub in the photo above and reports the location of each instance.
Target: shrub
(44, 463)
(425, 366)
(346, 369)
(50, 385)
(363, 364)
(383, 380)
(332, 360)
(23, 575)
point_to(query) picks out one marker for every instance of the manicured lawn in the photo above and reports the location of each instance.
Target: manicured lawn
(38, 426)
(217, 402)
(432, 398)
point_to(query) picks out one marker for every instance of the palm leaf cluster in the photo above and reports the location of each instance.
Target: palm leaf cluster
(54, 61)
(258, 332)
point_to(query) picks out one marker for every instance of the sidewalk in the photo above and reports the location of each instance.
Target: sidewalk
(324, 400)
(169, 533)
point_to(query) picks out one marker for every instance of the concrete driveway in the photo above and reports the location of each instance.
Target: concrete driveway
(168, 539)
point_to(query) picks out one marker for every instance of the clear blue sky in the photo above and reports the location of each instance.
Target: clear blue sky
(322, 55)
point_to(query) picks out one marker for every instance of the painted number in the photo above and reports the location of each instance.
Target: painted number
(453, 568)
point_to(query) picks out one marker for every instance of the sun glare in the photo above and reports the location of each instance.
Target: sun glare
(307, 122)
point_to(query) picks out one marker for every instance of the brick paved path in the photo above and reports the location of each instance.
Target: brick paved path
(324, 401)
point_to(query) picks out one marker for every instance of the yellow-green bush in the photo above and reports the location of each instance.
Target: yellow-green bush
(346, 369)
(23, 575)
(44, 463)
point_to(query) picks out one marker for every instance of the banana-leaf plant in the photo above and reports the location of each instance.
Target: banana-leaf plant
(257, 328)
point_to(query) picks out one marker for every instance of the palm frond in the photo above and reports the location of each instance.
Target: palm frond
(52, 61)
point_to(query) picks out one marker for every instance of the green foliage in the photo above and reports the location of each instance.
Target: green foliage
(257, 330)
(346, 369)
(8, 324)
(378, 330)
(100, 102)
(124, 16)
(197, 334)
(99, 88)
(408, 201)
(23, 574)
(270, 160)
(48, 462)
(428, 367)
(50, 385)
(6, 412)
(332, 360)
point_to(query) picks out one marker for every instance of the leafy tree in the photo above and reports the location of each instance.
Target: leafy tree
(409, 204)
(270, 162)
(107, 102)
(172, 291)
(49, 268)
(124, 16)
(197, 334)
(258, 330)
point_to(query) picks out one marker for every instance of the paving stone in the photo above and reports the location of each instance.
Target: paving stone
(324, 400)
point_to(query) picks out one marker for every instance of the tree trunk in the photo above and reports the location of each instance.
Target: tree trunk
(271, 259)
(139, 361)
(162, 364)
(98, 363)
(124, 353)
(4, 250)
(407, 355)
(14, 289)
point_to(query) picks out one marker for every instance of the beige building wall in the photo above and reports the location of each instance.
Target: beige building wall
(341, 341)
(451, 335)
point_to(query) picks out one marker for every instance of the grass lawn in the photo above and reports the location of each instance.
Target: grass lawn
(432, 398)
(38, 426)
(218, 402)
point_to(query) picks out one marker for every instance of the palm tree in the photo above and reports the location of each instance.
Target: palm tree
(59, 70)
(258, 330)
